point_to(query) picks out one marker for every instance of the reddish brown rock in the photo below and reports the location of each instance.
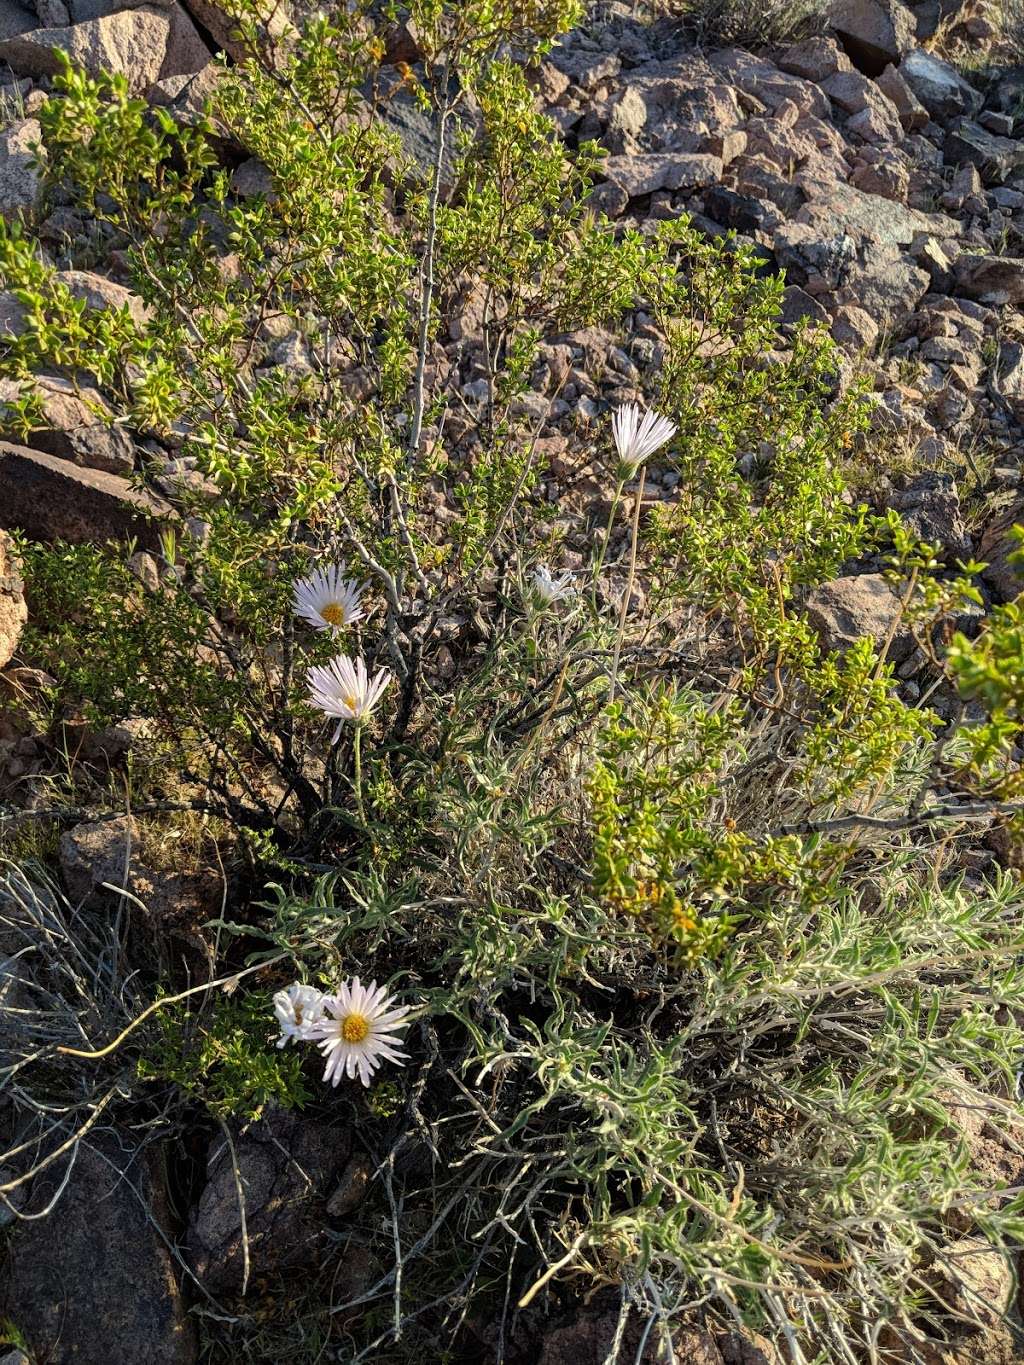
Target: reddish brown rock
(94, 1282)
(286, 1164)
(874, 32)
(216, 20)
(77, 425)
(997, 547)
(13, 613)
(913, 114)
(992, 278)
(51, 499)
(99, 292)
(588, 1337)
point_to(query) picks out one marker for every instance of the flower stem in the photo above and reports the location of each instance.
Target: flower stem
(607, 539)
(630, 579)
(357, 755)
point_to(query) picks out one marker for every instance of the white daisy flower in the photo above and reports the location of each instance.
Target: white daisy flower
(344, 689)
(636, 437)
(357, 1031)
(297, 1009)
(549, 588)
(326, 599)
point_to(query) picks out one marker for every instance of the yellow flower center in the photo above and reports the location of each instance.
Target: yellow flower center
(354, 1028)
(351, 702)
(333, 614)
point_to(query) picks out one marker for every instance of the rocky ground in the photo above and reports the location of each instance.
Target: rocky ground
(884, 178)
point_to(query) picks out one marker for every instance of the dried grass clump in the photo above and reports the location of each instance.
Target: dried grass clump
(725, 23)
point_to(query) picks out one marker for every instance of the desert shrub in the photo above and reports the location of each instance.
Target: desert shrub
(723, 23)
(1010, 23)
(700, 980)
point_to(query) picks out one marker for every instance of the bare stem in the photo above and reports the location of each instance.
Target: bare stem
(357, 756)
(427, 288)
(602, 556)
(630, 579)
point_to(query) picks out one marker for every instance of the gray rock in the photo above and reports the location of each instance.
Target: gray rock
(97, 291)
(132, 42)
(94, 1281)
(585, 67)
(80, 10)
(887, 285)
(78, 425)
(930, 506)
(643, 174)
(417, 133)
(996, 158)
(744, 212)
(51, 499)
(105, 853)
(13, 612)
(996, 279)
(94, 855)
(252, 178)
(754, 176)
(879, 171)
(810, 257)
(850, 609)
(186, 52)
(1002, 124)
(20, 185)
(998, 546)
(287, 1164)
(1008, 378)
(760, 78)
(1009, 91)
(15, 20)
(292, 353)
(852, 91)
(931, 256)
(834, 208)
(609, 199)
(878, 126)
(807, 144)
(188, 98)
(798, 305)
(966, 184)
(874, 32)
(939, 87)
(876, 117)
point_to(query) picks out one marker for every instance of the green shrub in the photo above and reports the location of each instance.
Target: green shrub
(222, 1061)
